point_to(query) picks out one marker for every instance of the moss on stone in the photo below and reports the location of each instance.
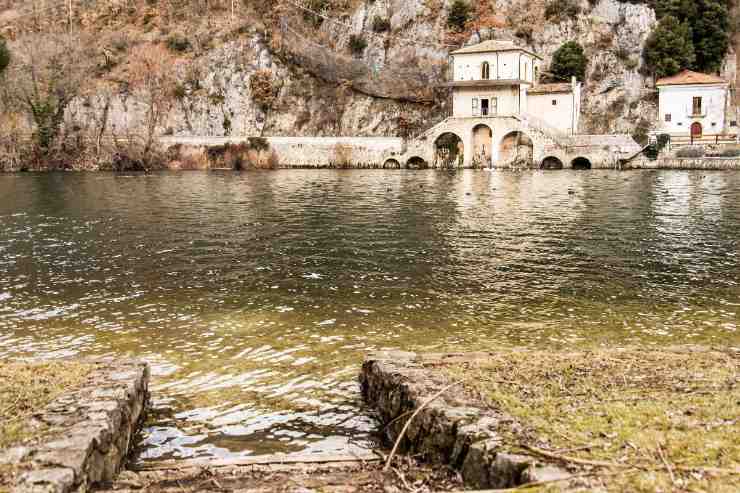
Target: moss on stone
(666, 419)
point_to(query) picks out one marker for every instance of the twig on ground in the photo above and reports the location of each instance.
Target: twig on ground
(406, 426)
(401, 476)
(599, 463)
(667, 466)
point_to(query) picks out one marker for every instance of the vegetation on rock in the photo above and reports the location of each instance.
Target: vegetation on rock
(458, 15)
(381, 24)
(691, 34)
(669, 47)
(569, 60)
(263, 89)
(561, 10)
(4, 56)
(357, 44)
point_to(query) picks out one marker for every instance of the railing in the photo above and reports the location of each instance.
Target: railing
(683, 140)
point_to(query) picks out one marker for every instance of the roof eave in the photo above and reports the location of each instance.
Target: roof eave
(505, 50)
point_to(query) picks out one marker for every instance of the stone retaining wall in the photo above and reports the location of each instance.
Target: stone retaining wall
(309, 152)
(448, 429)
(706, 163)
(88, 432)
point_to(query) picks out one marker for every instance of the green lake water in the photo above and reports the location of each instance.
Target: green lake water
(254, 296)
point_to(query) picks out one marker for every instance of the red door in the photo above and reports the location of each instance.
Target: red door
(695, 130)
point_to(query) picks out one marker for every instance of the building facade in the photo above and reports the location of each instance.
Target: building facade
(692, 104)
(498, 78)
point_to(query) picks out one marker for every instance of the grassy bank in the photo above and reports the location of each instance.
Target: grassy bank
(26, 388)
(631, 420)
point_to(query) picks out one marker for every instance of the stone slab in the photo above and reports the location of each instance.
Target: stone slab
(448, 430)
(90, 431)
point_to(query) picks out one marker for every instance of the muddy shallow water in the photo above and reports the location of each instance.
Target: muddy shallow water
(255, 295)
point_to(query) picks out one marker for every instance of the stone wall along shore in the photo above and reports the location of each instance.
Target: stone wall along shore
(449, 429)
(87, 432)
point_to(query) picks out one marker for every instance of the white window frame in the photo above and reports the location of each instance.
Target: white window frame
(476, 106)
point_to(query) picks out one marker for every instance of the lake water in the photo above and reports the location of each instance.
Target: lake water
(255, 295)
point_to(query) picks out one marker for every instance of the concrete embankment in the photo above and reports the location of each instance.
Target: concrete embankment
(84, 434)
(702, 163)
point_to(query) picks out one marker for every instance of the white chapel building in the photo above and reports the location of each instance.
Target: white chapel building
(692, 104)
(498, 78)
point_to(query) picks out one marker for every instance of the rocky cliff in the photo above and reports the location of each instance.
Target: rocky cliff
(271, 68)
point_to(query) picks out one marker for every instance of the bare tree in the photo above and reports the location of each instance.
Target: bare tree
(48, 72)
(153, 82)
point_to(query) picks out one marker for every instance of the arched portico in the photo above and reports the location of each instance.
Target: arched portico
(581, 163)
(416, 162)
(551, 162)
(516, 148)
(449, 151)
(391, 164)
(482, 139)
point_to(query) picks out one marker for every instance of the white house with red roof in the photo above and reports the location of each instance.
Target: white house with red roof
(693, 104)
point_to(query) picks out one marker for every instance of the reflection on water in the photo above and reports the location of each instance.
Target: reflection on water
(255, 296)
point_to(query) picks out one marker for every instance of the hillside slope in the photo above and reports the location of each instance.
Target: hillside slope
(272, 68)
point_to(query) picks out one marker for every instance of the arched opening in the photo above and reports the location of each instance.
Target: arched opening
(449, 151)
(391, 164)
(551, 162)
(696, 130)
(581, 163)
(516, 150)
(482, 142)
(416, 163)
(485, 71)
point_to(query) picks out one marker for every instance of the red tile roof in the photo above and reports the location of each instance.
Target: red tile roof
(688, 77)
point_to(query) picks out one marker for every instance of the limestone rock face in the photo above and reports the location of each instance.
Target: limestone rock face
(390, 87)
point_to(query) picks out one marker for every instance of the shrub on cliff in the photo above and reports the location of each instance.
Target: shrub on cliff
(381, 24)
(263, 89)
(178, 42)
(669, 48)
(568, 61)
(357, 44)
(560, 10)
(4, 56)
(459, 15)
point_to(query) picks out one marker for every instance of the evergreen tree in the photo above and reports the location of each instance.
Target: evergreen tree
(669, 48)
(711, 31)
(683, 10)
(567, 61)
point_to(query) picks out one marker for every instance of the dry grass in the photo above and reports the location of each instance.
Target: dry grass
(660, 420)
(25, 389)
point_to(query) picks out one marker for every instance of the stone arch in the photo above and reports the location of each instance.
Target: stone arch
(581, 163)
(391, 164)
(416, 163)
(449, 150)
(551, 162)
(516, 149)
(482, 146)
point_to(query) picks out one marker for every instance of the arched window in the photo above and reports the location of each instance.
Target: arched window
(485, 71)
